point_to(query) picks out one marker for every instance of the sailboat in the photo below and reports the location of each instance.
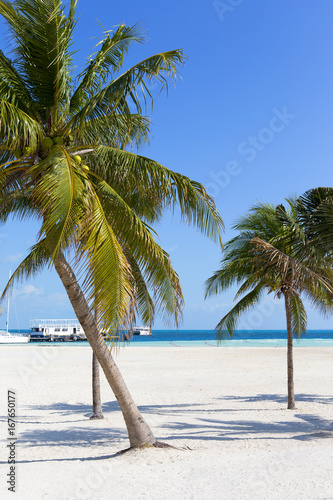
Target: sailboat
(8, 338)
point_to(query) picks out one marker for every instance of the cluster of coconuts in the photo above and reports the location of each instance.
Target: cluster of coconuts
(47, 143)
(78, 160)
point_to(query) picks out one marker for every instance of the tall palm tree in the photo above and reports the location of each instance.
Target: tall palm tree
(264, 257)
(59, 163)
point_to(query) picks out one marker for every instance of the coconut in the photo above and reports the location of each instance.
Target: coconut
(58, 140)
(77, 159)
(27, 151)
(47, 143)
(85, 167)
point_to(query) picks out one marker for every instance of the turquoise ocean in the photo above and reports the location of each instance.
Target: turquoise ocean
(208, 338)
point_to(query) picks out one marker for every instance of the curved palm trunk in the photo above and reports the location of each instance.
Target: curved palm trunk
(139, 432)
(97, 412)
(290, 361)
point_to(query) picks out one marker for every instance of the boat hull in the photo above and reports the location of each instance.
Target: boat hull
(8, 338)
(141, 330)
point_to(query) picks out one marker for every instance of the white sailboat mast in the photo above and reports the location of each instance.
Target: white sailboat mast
(8, 302)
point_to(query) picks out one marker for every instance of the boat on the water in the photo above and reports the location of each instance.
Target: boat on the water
(9, 338)
(141, 330)
(56, 330)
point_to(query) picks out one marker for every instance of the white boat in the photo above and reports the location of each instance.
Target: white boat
(141, 330)
(8, 338)
(55, 330)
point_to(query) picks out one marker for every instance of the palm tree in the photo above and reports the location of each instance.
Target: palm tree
(264, 257)
(60, 163)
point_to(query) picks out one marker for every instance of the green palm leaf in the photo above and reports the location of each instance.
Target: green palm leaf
(60, 193)
(14, 89)
(43, 36)
(35, 261)
(112, 98)
(290, 270)
(107, 60)
(17, 128)
(129, 169)
(104, 267)
(298, 315)
(229, 321)
(136, 238)
(116, 129)
(315, 214)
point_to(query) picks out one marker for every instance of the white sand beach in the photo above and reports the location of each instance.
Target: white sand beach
(223, 408)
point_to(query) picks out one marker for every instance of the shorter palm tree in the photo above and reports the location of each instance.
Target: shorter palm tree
(265, 257)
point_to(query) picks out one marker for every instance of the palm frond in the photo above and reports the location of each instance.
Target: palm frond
(15, 200)
(105, 62)
(229, 321)
(144, 303)
(113, 97)
(114, 130)
(315, 215)
(18, 127)
(33, 264)
(231, 272)
(14, 88)
(120, 167)
(61, 194)
(137, 241)
(291, 271)
(43, 36)
(104, 269)
(298, 315)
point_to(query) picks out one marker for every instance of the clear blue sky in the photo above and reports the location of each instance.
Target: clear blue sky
(251, 119)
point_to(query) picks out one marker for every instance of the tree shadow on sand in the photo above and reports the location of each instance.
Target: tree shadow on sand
(80, 410)
(89, 437)
(64, 408)
(204, 426)
(301, 427)
(74, 436)
(278, 398)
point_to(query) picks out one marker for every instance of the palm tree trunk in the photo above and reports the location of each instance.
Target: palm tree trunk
(290, 361)
(97, 412)
(139, 432)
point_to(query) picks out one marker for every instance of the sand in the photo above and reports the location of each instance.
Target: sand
(223, 408)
